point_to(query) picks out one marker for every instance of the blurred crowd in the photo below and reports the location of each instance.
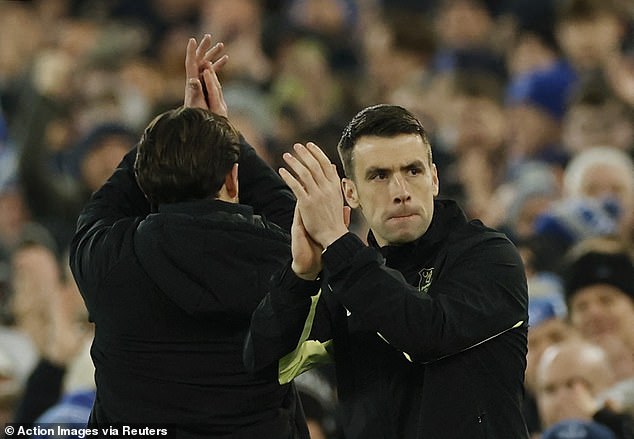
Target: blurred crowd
(529, 105)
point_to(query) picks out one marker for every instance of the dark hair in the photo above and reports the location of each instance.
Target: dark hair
(478, 84)
(96, 138)
(584, 10)
(599, 267)
(379, 120)
(593, 89)
(185, 154)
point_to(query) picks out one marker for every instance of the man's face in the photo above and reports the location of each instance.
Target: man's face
(394, 186)
(569, 378)
(602, 312)
(602, 181)
(481, 123)
(531, 129)
(588, 42)
(586, 126)
(101, 161)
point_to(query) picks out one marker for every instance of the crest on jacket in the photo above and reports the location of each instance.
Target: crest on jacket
(425, 277)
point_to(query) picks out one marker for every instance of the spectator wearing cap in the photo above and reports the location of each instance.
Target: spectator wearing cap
(55, 198)
(547, 327)
(97, 154)
(537, 104)
(599, 288)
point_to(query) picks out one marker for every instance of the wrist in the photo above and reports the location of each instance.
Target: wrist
(304, 275)
(331, 237)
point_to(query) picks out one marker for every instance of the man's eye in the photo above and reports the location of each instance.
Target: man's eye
(415, 171)
(378, 176)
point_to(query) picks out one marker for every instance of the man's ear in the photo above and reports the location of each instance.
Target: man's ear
(231, 183)
(435, 180)
(350, 192)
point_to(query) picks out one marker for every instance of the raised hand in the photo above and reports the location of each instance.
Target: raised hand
(305, 251)
(317, 187)
(202, 88)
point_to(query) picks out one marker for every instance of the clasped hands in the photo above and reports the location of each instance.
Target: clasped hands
(202, 61)
(320, 216)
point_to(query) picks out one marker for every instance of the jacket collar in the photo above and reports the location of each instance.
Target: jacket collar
(203, 207)
(206, 207)
(447, 215)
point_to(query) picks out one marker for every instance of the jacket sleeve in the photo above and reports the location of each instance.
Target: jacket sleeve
(264, 190)
(290, 325)
(621, 424)
(43, 389)
(479, 295)
(105, 225)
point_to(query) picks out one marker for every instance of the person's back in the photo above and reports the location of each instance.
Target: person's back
(171, 292)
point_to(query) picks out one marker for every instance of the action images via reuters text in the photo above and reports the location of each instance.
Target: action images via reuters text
(82, 432)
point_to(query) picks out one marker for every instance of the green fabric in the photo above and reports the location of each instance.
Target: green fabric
(308, 353)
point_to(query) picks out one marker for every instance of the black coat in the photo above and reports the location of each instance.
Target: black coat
(428, 338)
(171, 294)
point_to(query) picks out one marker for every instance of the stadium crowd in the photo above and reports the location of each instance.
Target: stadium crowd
(530, 108)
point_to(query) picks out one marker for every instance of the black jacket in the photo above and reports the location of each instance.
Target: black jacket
(171, 294)
(429, 338)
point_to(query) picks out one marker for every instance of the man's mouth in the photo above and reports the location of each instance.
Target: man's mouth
(401, 216)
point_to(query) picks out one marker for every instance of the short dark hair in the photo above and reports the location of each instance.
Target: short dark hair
(599, 267)
(585, 10)
(185, 154)
(378, 120)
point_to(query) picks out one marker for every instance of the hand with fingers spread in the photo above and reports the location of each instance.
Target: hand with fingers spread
(203, 89)
(317, 187)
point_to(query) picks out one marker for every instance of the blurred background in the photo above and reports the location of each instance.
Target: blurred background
(529, 105)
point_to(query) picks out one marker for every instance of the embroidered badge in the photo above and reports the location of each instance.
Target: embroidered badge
(424, 282)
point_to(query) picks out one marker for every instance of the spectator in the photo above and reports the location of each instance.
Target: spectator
(599, 288)
(570, 378)
(596, 116)
(537, 103)
(547, 327)
(606, 175)
(589, 32)
(48, 308)
(56, 197)
(478, 152)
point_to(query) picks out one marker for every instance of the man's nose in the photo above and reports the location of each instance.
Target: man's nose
(399, 189)
(594, 309)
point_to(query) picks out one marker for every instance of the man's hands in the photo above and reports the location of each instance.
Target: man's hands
(320, 216)
(202, 61)
(306, 252)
